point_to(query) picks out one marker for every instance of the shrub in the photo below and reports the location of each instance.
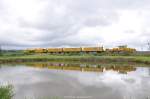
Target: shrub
(6, 92)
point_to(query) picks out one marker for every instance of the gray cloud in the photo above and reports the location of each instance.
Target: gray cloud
(49, 23)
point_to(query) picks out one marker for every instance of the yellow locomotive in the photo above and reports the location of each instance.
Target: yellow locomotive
(121, 49)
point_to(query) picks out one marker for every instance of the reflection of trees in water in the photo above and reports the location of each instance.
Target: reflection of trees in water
(84, 67)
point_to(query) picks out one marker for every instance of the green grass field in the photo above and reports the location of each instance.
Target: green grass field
(20, 56)
(88, 58)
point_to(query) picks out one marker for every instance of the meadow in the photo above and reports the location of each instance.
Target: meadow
(20, 56)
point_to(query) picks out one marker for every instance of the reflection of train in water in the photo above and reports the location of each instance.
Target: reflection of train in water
(80, 50)
(83, 67)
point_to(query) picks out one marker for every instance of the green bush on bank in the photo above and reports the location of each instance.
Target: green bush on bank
(6, 92)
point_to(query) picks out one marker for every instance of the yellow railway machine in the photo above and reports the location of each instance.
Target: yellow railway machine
(40, 50)
(123, 48)
(54, 50)
(72, 49)
(92, 49)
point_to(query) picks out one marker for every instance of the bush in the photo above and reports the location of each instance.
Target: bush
(6, 92)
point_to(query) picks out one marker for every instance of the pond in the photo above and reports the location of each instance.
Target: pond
(76, 81)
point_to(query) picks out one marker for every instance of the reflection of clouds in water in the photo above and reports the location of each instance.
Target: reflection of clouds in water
(141, 71)
(130, 84)
(111, 77)
(92, 78)
(20, 75)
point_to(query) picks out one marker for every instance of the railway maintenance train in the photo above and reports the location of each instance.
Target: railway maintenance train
(120, 49)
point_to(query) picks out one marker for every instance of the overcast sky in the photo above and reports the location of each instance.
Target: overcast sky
(74, 23)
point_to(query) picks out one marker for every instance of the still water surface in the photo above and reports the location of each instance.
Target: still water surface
(77, 81)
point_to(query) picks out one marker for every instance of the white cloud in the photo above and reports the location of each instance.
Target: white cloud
(49, 23)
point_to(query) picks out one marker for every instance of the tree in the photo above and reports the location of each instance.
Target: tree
(148, 44)
(0, 50)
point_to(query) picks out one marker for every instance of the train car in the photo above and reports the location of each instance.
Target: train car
(92, 49)
(72, 49)
(40, 50)
(54, 50)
